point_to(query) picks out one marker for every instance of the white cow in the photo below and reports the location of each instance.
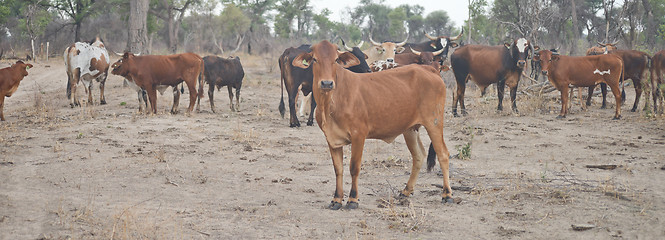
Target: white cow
(85, 62)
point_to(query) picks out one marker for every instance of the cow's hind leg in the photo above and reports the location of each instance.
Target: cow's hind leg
(435, 133)
(500, 90)
(603, 90)
(312, 106)
(2, 108)
(238, 97)
(418, 154)
(638, 93)
(211, 97)
(459, 98)
(337, 155)
(102, 99)
(193, 94)
(176, 100)
(357, 146)
(230, 88)
(617, 96)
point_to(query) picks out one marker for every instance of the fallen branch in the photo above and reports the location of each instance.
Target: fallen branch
(604, 167)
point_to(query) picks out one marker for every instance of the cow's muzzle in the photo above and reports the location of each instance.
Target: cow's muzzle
(521, 63)
(327, 85)
(390, 60)
(544, 72)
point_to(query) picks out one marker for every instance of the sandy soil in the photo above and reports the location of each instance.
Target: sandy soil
(109, 172)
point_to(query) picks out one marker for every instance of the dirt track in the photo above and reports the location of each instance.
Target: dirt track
(106, 171)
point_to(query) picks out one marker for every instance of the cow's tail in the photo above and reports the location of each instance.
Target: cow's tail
(200, 94)
(67, 64)
(281, 108)
(431, 157)
(623, 87)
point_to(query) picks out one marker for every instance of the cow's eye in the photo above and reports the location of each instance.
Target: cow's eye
(314, 60)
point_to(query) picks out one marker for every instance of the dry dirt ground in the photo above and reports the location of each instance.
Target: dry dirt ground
(108, 172)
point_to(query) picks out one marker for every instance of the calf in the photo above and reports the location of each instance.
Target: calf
(10, 78)
(486, 65)
(585, 71)
(85, 62)
(382, 105)
(154, 72)
(222, 72)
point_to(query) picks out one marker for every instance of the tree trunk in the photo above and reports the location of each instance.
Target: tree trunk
(77, 32)
(138, 30)
(573, 47)
(650, 28)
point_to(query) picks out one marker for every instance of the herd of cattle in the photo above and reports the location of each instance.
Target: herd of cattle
(390, 89)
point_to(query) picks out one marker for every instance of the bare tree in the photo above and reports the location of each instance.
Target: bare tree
(172, 12)
(138, 15)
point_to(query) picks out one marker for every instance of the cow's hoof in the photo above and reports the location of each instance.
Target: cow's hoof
(352, 205)
(603, 107)
(310, 123)
(103, 102)
(447, 200)
(616, 117)
(294, 125)
(334, 205)
(633, 110)
(560, 117)
(455, 114)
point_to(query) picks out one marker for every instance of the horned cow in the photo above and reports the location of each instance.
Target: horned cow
(85, 62)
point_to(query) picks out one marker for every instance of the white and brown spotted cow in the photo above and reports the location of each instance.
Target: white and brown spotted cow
(85, 62)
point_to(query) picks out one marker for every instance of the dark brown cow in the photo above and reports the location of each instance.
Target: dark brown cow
(417, 57)
(221, 72)
(382, 105)
(635, 64)
(486, 65)
(435, 44)
(151, 72)
(585, 71)
(10, 78)
(657, 84)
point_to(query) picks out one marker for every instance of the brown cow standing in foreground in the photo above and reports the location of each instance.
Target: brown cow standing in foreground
(152, 72)
(353, 107)
(635, 63)
(586, 71)
(657, 84)
(10, 78)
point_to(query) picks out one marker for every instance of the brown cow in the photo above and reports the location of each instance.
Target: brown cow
(585, 71)
(486, 65)
(603, 49)
(382, 105)
(10, 78)
(657, 83)
(151, 72)
(416, 57)
(635, 64)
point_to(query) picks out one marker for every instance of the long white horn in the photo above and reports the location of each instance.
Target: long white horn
(458, 36)
(437, 52)
(346, 47)
(601, 44)
(403, 43)
(361, 44)
(416, 52)
(430, 37)
(373, 42)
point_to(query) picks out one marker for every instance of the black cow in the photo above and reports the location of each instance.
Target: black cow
(293, 77)
(486, 65)
(435, 44)
(222, 72)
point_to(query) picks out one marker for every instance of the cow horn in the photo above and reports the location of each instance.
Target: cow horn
(361, 44)
(430, 37)
(415, 52)
(373, 42)
(601, 44)
(437, 53)
(346, 47)
(614, 43)
(403, 43)
(458, 36)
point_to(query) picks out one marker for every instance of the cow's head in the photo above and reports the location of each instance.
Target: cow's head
(325, 60)
(363, 66)
(519, 50)
(385, 51)
(427, 58)
(22, 67)
(602, 48)
(546, 58)
(443, 43)
(121, 67)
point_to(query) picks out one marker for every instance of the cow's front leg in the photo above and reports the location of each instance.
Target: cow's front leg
(152, 96)
(513, 98)
(211, 97)
(357, 146)
(102, 99)
(337, 159)
(89, 88)
(564, 102)
(500, 90)
(230, 89)
(2, 107)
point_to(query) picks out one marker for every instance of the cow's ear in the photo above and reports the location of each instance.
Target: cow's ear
(303, 60)
(347, 60)
(399, 49)
(536, 48)
(555, 57)
(454, 45)
(28, 66)
(506, 45)
(379, 48)
(366, 57)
